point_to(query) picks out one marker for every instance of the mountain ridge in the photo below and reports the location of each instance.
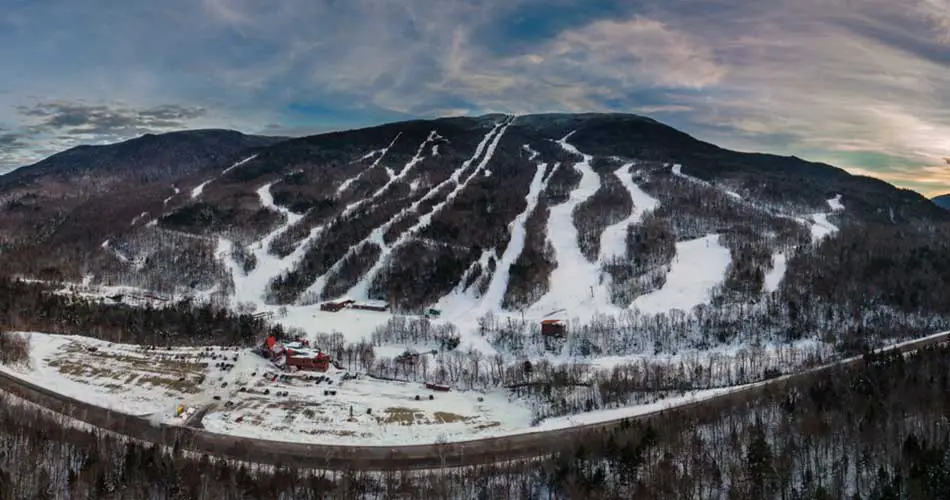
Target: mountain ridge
(591, 214)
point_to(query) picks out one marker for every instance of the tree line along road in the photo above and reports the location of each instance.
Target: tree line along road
(426, 456)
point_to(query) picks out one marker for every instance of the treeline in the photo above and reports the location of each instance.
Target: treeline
(164, 261)
(557, 388)
(610, 204)
(34, 307)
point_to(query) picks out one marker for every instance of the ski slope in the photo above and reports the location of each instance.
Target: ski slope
(575, 282)
(613, 241)
(487, 146)
(698, 267)
(376, 236)
(463, 302)
(774, 277)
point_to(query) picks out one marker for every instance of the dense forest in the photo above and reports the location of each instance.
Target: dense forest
(34, 307)
(876, 430)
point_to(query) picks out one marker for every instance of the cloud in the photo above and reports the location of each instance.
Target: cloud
(10, 140)
(107, 120)
(66, 124)
(825, 79)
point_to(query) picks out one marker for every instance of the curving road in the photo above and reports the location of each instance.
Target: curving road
(426, 456)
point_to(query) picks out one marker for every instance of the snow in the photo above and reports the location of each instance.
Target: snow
(499, 283)
(176, 191)
(196, 192)
(598, 416)
(251, 286)
(613, 241)
(395, 417)
(138, 218)
(575, 282)
(820, 226)
(835, 203)
(376, 236)
(381, 153)
(488, 144)
(774, 277)
(115, 376)
(107, 246)
(698, 267)
(238, 164)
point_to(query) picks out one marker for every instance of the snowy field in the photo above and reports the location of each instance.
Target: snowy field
(121, 377)
(248, 401)
(364, 411)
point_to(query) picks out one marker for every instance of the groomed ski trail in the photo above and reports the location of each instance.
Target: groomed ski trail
(361, 289)
(196, 192)
(382, 154)
(463, 300)
(249, 287)
(575, 282)
(613, 241)
(376, 236)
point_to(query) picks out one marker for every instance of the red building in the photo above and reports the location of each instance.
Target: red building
(304, 360)
(552, 327)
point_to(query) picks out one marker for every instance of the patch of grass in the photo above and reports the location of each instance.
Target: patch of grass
(488, 425)
(398, 415)
(321, 432)
(442, 417)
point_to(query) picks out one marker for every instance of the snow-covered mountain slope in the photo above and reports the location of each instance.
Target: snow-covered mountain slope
(540, 216)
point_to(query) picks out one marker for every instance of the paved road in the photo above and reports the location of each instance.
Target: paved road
(424, 456)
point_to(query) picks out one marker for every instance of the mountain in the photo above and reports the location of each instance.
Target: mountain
(587, 215)
(72, 199)
(942, 201)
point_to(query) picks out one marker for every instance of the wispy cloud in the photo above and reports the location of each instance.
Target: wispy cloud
(832, 80)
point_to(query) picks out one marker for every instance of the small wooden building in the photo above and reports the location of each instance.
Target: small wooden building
(378, 306)
(553, 327)
(336, 305)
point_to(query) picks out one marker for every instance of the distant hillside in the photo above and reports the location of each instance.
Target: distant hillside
(76, 197)
(942, 201)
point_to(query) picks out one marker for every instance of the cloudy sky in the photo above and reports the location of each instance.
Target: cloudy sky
(862, 84)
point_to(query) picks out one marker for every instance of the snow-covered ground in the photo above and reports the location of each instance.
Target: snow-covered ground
(575, 282)
(249, 287)
(774, 277)
(488, 145)
(131, 379)
(699, 266)
(249, 400)
(124, 378)
(613, 242)
(364, 411)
